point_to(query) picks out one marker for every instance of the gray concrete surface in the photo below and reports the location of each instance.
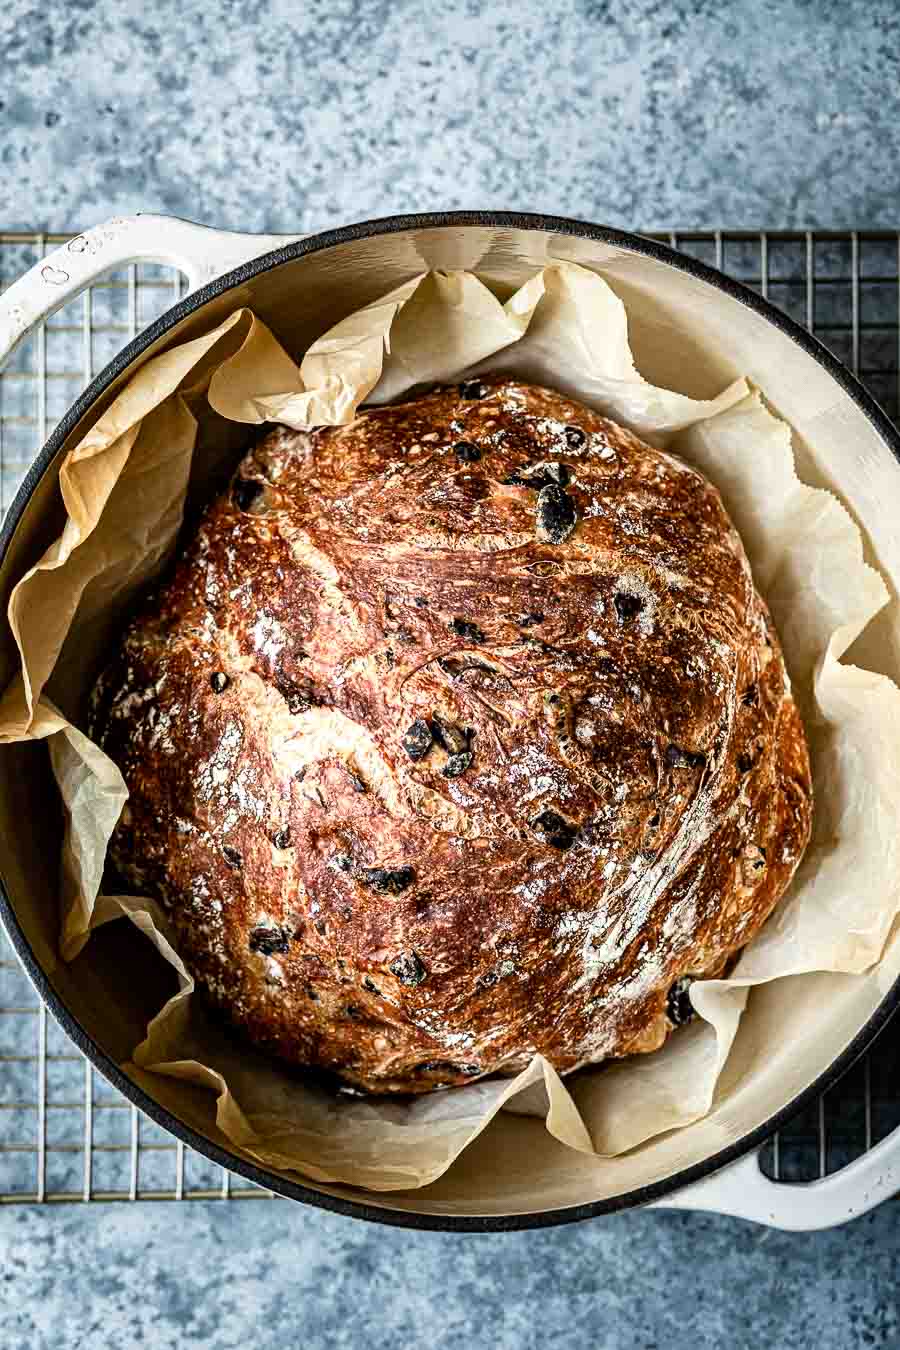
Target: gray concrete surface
(266, 114)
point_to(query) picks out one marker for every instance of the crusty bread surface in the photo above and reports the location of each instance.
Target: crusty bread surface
(457, 734)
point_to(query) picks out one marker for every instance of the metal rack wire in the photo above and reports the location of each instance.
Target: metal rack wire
(66, 1134)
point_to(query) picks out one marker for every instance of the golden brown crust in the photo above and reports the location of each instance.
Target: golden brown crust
(460, 733)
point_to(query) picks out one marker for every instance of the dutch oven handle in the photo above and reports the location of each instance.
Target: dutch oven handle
(200, 252)
(742, 1190)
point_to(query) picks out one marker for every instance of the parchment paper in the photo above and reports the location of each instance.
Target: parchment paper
(124, 490)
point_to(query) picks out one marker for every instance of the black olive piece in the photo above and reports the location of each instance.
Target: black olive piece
(653, 822)
(679, 1008)
(231, 856)
(457, 764)
(408, 969)
(268, 941)
(575, 437)
(218, 681)
(282, 838)
(628, 606)
(750, 696)
(354, 1011)
(527, 620)
(451, 738)
(471, 389)
(487, 980)
(343, 861)
(371, 986)
(245, 492)
(465, 629)
(466, 452)
(300, 694)
(679, 758)
(554, 829)
(759, 863)
(421, 602)
(443, 1066)
(296, 702)
(387, 881)
(311, 994)
(555, 472)
(555, 516)
(418, 739)
(744, 763)
(536, 476)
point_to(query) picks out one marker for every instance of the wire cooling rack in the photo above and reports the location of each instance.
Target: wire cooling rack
(65, 1133)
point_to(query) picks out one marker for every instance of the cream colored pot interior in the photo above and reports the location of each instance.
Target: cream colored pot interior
(686, 334)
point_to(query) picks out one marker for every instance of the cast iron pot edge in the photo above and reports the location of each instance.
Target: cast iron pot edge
(111, 1071)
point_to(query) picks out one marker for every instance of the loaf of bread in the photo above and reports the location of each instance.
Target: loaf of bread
(458, 734)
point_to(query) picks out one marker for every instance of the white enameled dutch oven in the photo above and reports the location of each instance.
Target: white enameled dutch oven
(691, 329)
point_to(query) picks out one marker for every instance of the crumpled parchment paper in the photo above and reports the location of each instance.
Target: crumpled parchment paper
(124, 489)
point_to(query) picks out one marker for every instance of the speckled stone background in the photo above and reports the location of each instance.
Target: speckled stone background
(268, 114)
(272, 115)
